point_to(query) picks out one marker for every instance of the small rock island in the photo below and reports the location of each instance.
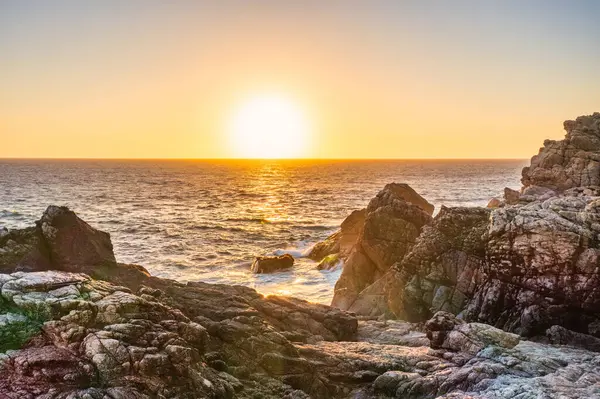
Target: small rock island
(497, 302)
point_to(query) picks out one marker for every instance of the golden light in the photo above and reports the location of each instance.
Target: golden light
(269, 126)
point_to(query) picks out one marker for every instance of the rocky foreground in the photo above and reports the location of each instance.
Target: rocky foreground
(74, 323)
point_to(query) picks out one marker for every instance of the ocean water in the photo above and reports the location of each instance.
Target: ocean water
(207, 220)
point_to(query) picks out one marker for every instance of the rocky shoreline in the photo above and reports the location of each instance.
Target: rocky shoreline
(499, 302)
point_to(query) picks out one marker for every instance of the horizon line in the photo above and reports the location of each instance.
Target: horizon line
(256, 159)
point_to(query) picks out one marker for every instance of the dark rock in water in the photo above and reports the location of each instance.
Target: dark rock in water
(572, 162)
(342, 241)
(393, 221)
(270, 264)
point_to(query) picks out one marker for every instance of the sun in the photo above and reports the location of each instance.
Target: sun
(269, 126)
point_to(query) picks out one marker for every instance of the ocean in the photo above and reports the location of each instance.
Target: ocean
(206, 220)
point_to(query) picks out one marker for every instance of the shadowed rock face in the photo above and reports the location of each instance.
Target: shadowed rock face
(392, 223)
(443, 269)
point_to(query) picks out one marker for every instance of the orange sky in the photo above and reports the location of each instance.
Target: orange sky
(410, 80)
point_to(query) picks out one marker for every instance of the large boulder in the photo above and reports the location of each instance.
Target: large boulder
(62, 241)
(393, 221)
(572, 162)
(74, 245)
(441, 271)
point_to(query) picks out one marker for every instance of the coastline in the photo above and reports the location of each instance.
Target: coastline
(472, 303)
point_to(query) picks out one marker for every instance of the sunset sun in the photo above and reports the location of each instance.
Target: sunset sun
(269, 126)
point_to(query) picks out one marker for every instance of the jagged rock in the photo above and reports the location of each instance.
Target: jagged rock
(478, 361)
(393, 221)
(74, 244)
(533, 193)
(562, 336)
(441, 272)
(342, 241)
(522, 268)
(541, 267)
(62, 241)
(23, 250)
(511, 196)
(445, 331)
(270, 264)
(572, 162)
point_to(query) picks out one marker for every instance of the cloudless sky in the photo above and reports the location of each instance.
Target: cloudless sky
(376, 79)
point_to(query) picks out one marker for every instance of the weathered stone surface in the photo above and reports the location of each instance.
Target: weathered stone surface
(93, 334)
(393, 221)
(441, 272)
(572, 162)
(562, 336)
(270, 264)
(478, 361)
(23, 250)
(541, 267)
(89, 338)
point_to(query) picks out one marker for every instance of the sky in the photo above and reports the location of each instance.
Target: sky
(372, 79)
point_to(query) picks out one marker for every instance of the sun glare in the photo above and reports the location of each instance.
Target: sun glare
(269, 126)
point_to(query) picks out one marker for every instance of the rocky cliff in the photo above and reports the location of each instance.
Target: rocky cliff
(530, 263)
(125, 334)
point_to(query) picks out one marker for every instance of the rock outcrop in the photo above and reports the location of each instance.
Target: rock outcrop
(67, 335)
(572, 162)
(531, 263)
(271, 264)
(393, 221)
(62, 241)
